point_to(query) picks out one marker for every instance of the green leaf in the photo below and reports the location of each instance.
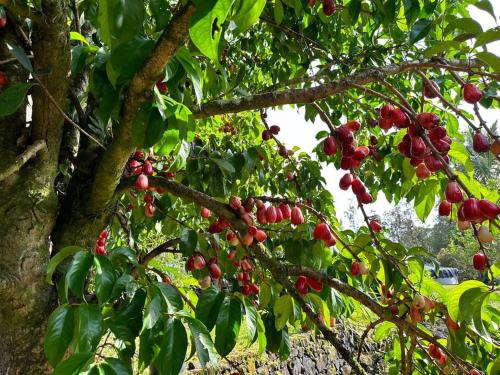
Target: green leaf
(420, 29)
(225, 166)
(171, 297)
(383, 330)
(491, 59)
(60, 329)
(182, 153)
(205, 349)
(354, 9)
(487, 37)
(227, 327)
(89, 327)
(246, 14)
(21, 56)
(148, 126)
(77, 273)
(173, 348)
(205, 26)
(455, 294)
(283, 308)
(58, 258)
(424, 208)
(188, 242)
(104, 278)
(208, 306)
(120, 20)
(118, 367)
(152, 313)
(278, 11)
(412, 10)
(73, 35)
(486, 6)
(12, 97)
(73, 364)
(192, 69)
(251, 316)
(443, 46)
(467, 25)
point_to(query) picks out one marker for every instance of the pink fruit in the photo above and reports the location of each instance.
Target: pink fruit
(480, 261)
(358, 187)
(199, 262)
(314, 284)
(353, 125)
(346, 181)
(328, 7)
(452, 192)
(329, 146)
(444, 208)
(141, 183)
(417, 147)
(271, 214)
(422, 172)
(215, 272)
(484, 235)
(232, 239)
(489, 209)
(375, 226)
(285, 211)
(261, 215)
(147, 168)
(205, 213)
(345, 135)
(471, 93)
(399, 118)
(260, 236)
(296, 216)
(235, 202)
(471, 210)
(365, 198)
(301, 285)
(322, 232)
(463, 225)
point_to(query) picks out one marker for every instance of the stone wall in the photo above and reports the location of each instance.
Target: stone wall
(309, 354)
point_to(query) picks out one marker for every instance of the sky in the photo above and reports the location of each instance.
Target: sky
(296, 131)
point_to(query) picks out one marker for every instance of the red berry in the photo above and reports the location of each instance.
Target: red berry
(361, 153)
(139, 154)
(432, 163)
(166, 280)
(232, 254)
(260, 236)
(314, 284)
(375, 226)
(251, 230)
(285, 211)
(404, 148)
(322, 232)
(199, 262)
(301, 285)
(141, 183)
(357, 186)
(417, 147)
(386, 110)
(471, 93)
(331, 242)
(190, 263)
(247, 239)
(246, 265)
(147, 168)
(480, 143)
(215, 272)
(232, 239)
(356, 268)
(205, 213)
(296, 217)
(385, 123)
(345, 163)
(245, 290)
(275, 129)
(474, 372)
(254, 289)
(431, 89)
(161, 86)
(3, 77)
(345, 135)
(428, 120)
(271, 214)
(365, 198)
(148, 198)
(149, 210)
(471, 210)
(399, 118)
(329, 146)
(452, 192)
(373, 140)
(279, 215)
(353, 125)
(444, 208)
(422, 172)
(489, 209)
(346, 181)
(328, 7)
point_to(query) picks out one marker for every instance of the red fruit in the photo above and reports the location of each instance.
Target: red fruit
(452, 192)
(101, 242)
(215, 272)
(353, 125)
(357, 186)
(279, 215)
(205, 213)
(3, 18)
(232, 254)
(246, 265)
(141, 183)
(346, 181)
(266, 135)
(415, 315)
(275, 129)
(484, 235)
(148, 198)
(322, 232)
(251, 230)
(290, 176)
(432, 163)
(104, 234)
(235, 202)
(365, 198)
(375, 226)
(100, 250)
(442, 359)
(471, 93)
(314, 284)
(427, 120)
(199, 262)
(454, 326)
(328, 7)
(471, 210)
(404, 148)
(345, 135)
(386, 110)
(301, 285)
(190, 263)
(495, 147)
(355, 163)
(271, 214)
(166, 280)
(331, 242)
(345, 163)
(489, 209)
(480, 143)
(134, 165)
(139, 154)
(356, 268)
(442, 145)
(285, 211)
(249, 205)
(474, 372)
(254, 289)
(361, 153)
(385, 123)
(329, 146)
(296, 217)
(161, 86)
(417, 147)
(394, 310)
(373, 140)
(430, 90)
(399, 118)
(422, 172)
(3, 78)
(261, 215)
(247, 239)
(444, 208)
(282, 151)
(147, 168)
(260, 236)
(437, 133)
(245, 290)
(232, 239)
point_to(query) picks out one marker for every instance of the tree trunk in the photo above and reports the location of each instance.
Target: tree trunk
(28, 200)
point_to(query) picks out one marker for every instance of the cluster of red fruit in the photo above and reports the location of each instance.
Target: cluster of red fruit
(228, 128)
(245, 280)
(303, 284)
(437, 354)
(100, 246)
(358, 188)
(329, 7)
(197, 262)
(268, 134)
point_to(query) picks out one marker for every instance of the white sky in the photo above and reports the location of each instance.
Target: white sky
(292, 133)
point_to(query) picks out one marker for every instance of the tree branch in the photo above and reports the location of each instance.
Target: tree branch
(22, 159)
(311, 94)
(166, 247)
(18, 9)
(110, 168)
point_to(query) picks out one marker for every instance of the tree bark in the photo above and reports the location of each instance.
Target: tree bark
(29, 204)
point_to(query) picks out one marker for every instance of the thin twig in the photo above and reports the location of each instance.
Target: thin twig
(22, 159)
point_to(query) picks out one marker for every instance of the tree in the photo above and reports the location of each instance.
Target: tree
(120, 118)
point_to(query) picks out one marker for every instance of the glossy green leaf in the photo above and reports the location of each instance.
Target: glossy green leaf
(77, 272)
(104, 278)
(12, 97)
(73, 364)
(58, 258)
(246, 13)
(152, 313)
(90, 327)
(20, 55)
(173, 348)
(205, 349)
(171, 297)
(228, 324)
(189, 241)
(420, 29)
(283, 308)
(208, 306)
(59, 334)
